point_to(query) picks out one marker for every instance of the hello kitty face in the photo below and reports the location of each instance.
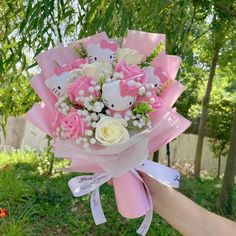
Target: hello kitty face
(156, 76)
(58, 83)
(105, 51)
(117, 97)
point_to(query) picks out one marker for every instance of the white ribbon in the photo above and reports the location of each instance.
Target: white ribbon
(144, 227)
(161, 173)
(81, 185)
(84, 184)
(96, 208)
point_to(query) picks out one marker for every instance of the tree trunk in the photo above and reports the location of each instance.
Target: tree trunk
(204, 114)
(51, 164)
(156, 156)
(218, 168)
(225, 200)
(50, 155)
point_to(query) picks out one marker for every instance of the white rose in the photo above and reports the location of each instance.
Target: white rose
(97, 70)
(130, 56)
(111, 130)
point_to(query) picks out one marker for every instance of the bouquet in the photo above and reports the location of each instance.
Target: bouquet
(108, 106)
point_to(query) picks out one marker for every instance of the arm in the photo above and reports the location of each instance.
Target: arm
(186, 216)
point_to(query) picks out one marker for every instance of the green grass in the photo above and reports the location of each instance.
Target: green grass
(43, 205)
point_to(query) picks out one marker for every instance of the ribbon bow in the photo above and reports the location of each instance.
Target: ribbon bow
(69, 67)
(81, 185)
(110, 45)
(161, 74)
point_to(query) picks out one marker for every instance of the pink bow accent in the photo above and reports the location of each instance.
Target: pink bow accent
(110, 45)
(160, 73)
(127, 89)
(69, 67)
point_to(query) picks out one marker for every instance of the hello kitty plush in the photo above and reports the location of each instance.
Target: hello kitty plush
(64, 75)
(58, 84)
(105, 51)
(119, 96)
(156, 76)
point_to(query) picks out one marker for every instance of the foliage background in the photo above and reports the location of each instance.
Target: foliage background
(39, 205)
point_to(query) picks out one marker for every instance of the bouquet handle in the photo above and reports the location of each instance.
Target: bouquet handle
(131, 197)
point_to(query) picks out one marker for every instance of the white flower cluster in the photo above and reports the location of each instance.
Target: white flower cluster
(62, 106)
(139, 121)
(90, 102)
(147, 90)
(90, 119)
(97, 70)
(129, 55)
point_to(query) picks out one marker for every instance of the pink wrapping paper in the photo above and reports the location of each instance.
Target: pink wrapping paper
(135, 197)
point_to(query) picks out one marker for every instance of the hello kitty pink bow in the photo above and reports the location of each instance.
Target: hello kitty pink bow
(110, 45)
(161, 74)
(69, 67)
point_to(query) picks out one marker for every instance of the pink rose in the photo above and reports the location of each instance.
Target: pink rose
(131, 72)
(80, 84)
(72, 125)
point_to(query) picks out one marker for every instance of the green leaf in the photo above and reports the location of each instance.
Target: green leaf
(81, 51)
(142, 109)
(153, 55)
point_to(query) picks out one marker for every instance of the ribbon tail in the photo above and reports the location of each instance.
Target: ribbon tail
(144, 227)
(96, 208)
(161, 173)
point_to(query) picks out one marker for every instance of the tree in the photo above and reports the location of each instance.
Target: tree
(225, 200)
(218, 43)
(220, 116)
(223, 24)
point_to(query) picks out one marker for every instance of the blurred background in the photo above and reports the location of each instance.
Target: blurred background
(33, 189)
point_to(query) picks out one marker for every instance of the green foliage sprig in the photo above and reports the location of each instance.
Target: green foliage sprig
(81, 51)
(153, 54)
(159, 92)
(142, 109)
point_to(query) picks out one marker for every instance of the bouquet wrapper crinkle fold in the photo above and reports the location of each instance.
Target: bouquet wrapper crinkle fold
(107, 110)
